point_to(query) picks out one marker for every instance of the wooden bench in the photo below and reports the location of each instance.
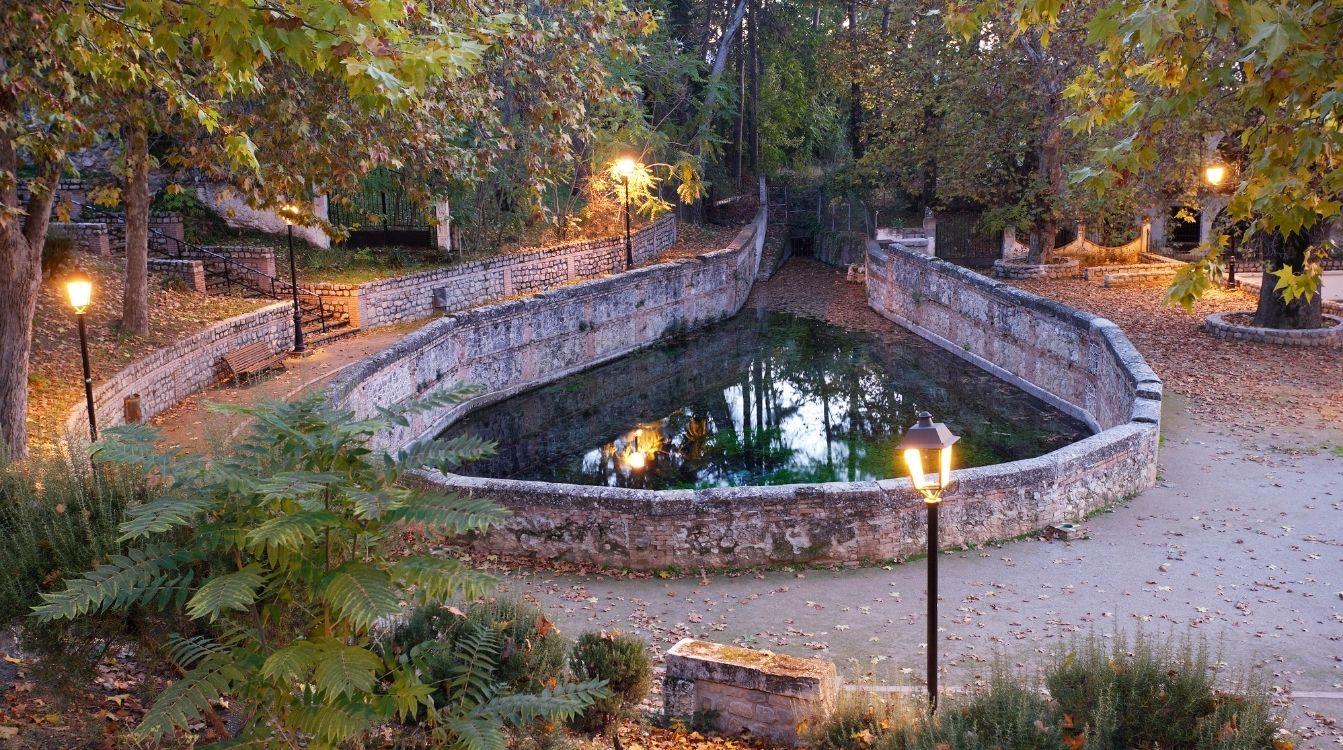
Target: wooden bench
(250, 360)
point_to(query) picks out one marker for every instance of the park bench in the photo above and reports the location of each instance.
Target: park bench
(251, 359)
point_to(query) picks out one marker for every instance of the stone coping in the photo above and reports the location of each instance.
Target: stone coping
(1219, 326)
(750, 669)
(1013, 269)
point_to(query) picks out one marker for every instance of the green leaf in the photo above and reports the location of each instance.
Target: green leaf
(291, 662)
(228, 592)
(288, 533)
(450, 514)
(345, 670)
(136, 577)
(440, 578)
(187, 699)
(361, 594)
(162, 514)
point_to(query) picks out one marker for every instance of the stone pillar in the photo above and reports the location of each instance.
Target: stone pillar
(1156, 221)
(1209, 208)
(1013, 250)
(443, 218)
(930, 230)
(763, 693)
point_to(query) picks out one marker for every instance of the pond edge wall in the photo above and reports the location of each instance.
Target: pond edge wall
(512, 346)
(1079, 362)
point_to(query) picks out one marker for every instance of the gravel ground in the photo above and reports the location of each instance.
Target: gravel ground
(1242, 387)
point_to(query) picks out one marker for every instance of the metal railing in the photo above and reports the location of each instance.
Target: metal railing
(231, 271)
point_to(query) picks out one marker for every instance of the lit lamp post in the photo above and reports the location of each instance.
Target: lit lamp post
(1214, 175)
(290, 212)
(624, 169)
(80, 290)
(929, 443)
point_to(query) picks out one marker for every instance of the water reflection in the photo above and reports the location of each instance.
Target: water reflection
(763, 398)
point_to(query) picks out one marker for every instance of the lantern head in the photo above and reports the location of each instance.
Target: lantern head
(79, 288)
(624, 168)
(928, 444)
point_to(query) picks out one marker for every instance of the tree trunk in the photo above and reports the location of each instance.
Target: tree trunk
(1280, 252)
(21, 241)
(741, 113)
(135, 303)
(753, 134)
(855, 89)
(1051, 169)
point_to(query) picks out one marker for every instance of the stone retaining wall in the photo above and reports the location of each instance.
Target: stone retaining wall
(511, 346)
(168, 375)
(466, 285)
(1019, 269)
(191, 273)
(1078, 362)
(88, 237)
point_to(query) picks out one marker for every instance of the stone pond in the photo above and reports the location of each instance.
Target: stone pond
(764, 398)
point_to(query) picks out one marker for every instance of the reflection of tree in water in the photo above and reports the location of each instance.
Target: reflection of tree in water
(764, 398)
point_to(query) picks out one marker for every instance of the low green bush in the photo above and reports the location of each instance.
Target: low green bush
(1128, 695)
(57, 518)
(861, 720)
(533, 653)
(58, 253)
(622, 661)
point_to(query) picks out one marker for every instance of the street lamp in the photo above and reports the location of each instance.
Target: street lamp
(80, 290)
(290, 212)
(929, 443)
(1214, 174)
(624, 169)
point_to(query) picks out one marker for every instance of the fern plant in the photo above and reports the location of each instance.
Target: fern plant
(477, 707)
(282, 550)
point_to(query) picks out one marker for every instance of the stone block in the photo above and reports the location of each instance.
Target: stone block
(759, 692)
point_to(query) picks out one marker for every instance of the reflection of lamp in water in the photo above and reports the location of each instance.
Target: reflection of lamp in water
(931, 440)
(634, 458)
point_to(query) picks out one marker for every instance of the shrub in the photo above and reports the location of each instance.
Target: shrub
(620, 660)
(533, 651)
(861, 720)
(57, 518)
(1137, 695)
(58, 253)
(280, 552)
(1147, 694)
(1010, 713)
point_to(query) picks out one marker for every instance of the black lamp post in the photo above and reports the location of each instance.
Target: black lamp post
(928, 441)
(624, 169)
(80, 290)
(290, 212)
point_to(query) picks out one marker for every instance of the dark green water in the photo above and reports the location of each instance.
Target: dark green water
(763, 398)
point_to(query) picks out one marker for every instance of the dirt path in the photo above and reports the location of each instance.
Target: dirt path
(191, 425)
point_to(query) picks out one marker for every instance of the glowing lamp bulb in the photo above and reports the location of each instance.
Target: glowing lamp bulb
(636, 461)
(624, 168)
(80, 291)
(1215, 174)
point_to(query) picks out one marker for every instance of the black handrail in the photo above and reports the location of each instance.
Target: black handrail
(246, 272)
